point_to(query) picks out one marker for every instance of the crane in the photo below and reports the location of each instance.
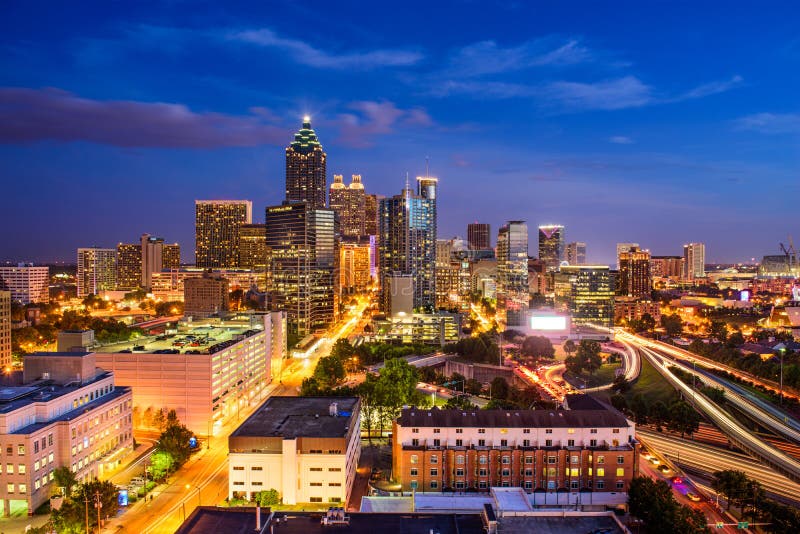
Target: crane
(791, 254)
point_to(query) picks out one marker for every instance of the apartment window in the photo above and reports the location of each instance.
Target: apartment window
(335, 499)
(434, 459)
(481, 431)
(436, 430)
(21, 450)
(434, 472)
(573, 472)
(601, 472)
(415, 430)
(570, 431)
(238, 468)
(573, 484)
(459, 443)
(414, 471)
(528, 485)
(36, 484)
(437, 442)
(10, 469)
(526, 430)
(601, 460)
(620, 471)
(504, 443)
(414, 484)
(551, 459)
(481, 443)
(315, 469)
(529, 459)
(460, 459)
(482, 472)
(459, 430)
(482, 485)
(620, 460)
(526, 443)
(50, 458)
(49, 439)
(592, 431)
(10, 450)
(335, 484)
(257, 483)
(459, 485)
(335, 469)
(36, 465)
(620, 485)
(459, 472)
(257, 468)
(506, 460)
(316, 484)
(21, 468)
(434, 484)
(600, 484)
(35, 447)
(615, 430)
(414, 442)
(529, 472)
(504, 484)
(483, 460)
(548, 430)
(506, 472)
(315, 499)
(238, 483)
(574, 459)
(414, 459)
(570, 443)
(593, 443)
(548, 443)
(10, 487)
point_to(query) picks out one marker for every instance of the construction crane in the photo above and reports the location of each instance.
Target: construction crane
(791, 254)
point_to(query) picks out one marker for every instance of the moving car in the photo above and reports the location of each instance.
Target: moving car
(693, 497)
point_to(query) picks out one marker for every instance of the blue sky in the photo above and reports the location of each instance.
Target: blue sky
(654, 122)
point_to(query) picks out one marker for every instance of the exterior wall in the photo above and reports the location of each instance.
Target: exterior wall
(5, 329)
(480, 372)
(27, 284)
(205, 296)
(217, 231)
(169, 284)
(97, 270)
(630, 309)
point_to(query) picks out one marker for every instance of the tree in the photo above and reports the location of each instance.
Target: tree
(719, 330)
(396, 386)
(172, 418)
(683, 418)
(473, 387)
(569, 347)
(329, 371)
(459, 402)
(586, 358)
(647, 322)
(652, 502)
(159, 421)
(175, 441)
(731, 483)
(269, 497)
(161, 464)
(63, 477)
(499, 388)
(618, 401)
(672, 325)
(71, 517)
(342, 349)
(659, 414)
(620, 384)
(537, 347)
(640, 408)
(164, 309)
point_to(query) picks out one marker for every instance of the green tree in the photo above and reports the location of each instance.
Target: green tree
(161, 464)
(652, 502)
(473, 387)
(569, 347)
(175, 441)
(659, 414)
(396, 386)
(620, 384)
(640, 408)
(672, 325)
(71, 517)
(731, 483)
(329, 371)
(342, 349)
(648, 323)
(537, 347)
(63, 477)
(719, 330)
(459, 402)
(588, 355)
(618, 401)
(159, 420)
(165, 309)
(269, 497)
(499, 388)
(683, 418)
(172, 419)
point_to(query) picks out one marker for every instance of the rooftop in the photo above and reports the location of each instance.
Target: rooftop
(293, 417)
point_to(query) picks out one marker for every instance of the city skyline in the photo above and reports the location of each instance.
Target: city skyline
(609, 128)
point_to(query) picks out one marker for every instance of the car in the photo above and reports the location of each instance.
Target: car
(664, 469)
(677, 480)
(655, 461)
(693, 497)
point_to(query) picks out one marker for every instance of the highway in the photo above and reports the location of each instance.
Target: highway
(631, 363)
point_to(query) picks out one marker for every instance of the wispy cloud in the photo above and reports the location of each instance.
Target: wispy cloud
(371, 119)
(306, 54)
(620, 93)
(771, 123)
(487, 57)
(712, 88)
(620, 140)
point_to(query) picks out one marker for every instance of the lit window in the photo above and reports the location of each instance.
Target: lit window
(620, 471)
(601, 472)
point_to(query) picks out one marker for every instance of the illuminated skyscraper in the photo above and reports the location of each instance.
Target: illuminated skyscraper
(371, 214)
(575, 253)
(305, 168)
(217, 225)
(97, 270)
(587, 292)
(5, 329)
(551, 245)
(171, 256)
(349, 203)
(28, 284)
(478, 236)
(512, 273)
(634, 278)
(129, 266)
(624, 247)
(666, 266)
(694, 261)
(136, 262)
(407, 243)
(253, 247)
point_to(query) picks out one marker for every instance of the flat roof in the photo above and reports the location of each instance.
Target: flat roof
(556, 524)
(593, 418)
(293, 417)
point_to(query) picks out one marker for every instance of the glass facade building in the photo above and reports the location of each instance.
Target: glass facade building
(305, 168)
(551, 245)
(217, 225)
(587, 293)
(512, 273)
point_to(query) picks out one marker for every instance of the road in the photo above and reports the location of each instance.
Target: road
(204, 479)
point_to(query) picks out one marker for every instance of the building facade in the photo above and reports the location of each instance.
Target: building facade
(27, 283)
(694, 261)
(593, 448)
(305, 168)
(169, 285)
(205, 295)
(129, 266)
(576, 253)
(5, 330)
(587, 293)
(634, 278)
(97, 270)
(551, 245)
(349, 203)
(307, 448)
(666, 267)
(630, 309)
(217, 225)
(253, 250)
(624, 247)
(479, 236)
(512, 273)
(355, 261)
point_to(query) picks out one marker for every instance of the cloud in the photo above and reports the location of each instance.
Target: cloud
(620, 140)
(712, 88)
(376, 118)
(771, 123)
(31, 115)
(486, 57)
(305, 54)
(482, 89)
(620, 93)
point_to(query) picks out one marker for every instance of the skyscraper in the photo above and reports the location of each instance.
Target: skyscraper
(28, 283)
(694, 261)
(5, 330)
(349, 203)
(551, 245)
(136, 262)
(301, 266)
(587, 292)
(97, 270)
(371, 214)
(407, 242)
(478, 236)
(305, 168)
(666, 266)
(171, 256)
(576, 253)
(634, 278)
(253, 247)
(129, 266)
(624, 247)
(217, 225)
(512, 273)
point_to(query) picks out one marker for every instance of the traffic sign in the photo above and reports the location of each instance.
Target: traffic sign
(743, 525)
(720, 524)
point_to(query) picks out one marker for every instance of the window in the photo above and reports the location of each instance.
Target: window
(437, 442)
(506, 472)
(36, 484)
(574, 459)
(570, 443)
(414, 484)
(317, 469)
(10, 487)
(49, 439)
(414, 459)
(481, 443)
(601, 460)
(36, 465)
(526, 430)
(481, 431)
(415, 430)
(504, 443)
(548, 430)
(573, 472)
(238, 483)
(21, 451)
(459, 485)
(551, 471)
(593, 443)
(529, 472)
(459, 430)
(335, 484)
(592, 431)
(434, 472)
(315, 484)
(620, 485)
(21, 470)
(615, 430)
(529, 459)
(548, 443)
(414, 471)
(506, 460)
(620, 460)
(415, 442)
(551, 459)
(483, 460)
(35, 447)
(460, 459)
(10, 469)
(10, 450)
(257, 468)
(573, 484)
(434, 459)
(601, 472)
(257, 483)
(600, 484)
(482, 472)
(526, 443)
(238, 468)
(620, 471)
(570, 431)
(482, 484)
(434, 484)
(528, 484)
(459, 472)
(335, 469)
(459, 443)
(315, 499)
(436, 430)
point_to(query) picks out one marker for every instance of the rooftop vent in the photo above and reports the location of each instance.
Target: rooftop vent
(333, 410)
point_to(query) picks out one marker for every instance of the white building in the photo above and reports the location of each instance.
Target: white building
(97, 270)
(28, 284)
(306, 448)
(694, 261)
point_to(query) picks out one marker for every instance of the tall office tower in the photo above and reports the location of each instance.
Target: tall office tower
(407, 243)
(666, 266)
(694, 261)
(634, 278)
(217, 225)
(575, 253)
(27, 283)
(305, 168)
(371, 203)
(587, 293)
(624, 247)
(551, 245)
(512, 273)
(349, 203)
(354, 265)
(129, 266)
(171, 256)
(478, 237)
(301, 267)
(5, 329)
(253, 247)
(97, 270)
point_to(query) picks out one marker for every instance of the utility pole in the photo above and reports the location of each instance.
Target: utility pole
(86, 502)
(99, 506)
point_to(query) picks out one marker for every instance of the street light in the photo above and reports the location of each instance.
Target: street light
(197, 489)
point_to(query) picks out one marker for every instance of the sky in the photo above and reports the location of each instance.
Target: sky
(652, 122)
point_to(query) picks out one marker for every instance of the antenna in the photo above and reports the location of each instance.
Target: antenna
(427, 161)
(407, 185)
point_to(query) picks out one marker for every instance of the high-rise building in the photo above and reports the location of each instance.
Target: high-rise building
(129, 266)
(634, 278)
(217, 225)
(587, 292)
(305, 168)
(551, 245)
(205, 295)
(349, 203)
(27, 283)
(576, 253)
(694, 261)
(97, 270)
(171, 256)
(624, 247)
(453, 278)
(301, 267)
(666, 266)
(478, 236)
(136, 262)
(5, 329)
(354, 266)
(253, 247)
(407, 242)
(512, 273)
(371, 214)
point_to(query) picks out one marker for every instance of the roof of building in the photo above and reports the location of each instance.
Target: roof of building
(293, 417)
(71, 354)
(557, 524)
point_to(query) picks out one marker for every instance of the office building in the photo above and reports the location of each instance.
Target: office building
(551, 245)
(407, 243)
(169, 285)
(355, 260)
(129, 266)
(207, 371)
(512, 273)
(575, 253)
(171, 256)
(587, 293)
(253, 247)
(539, 280)
(205, 296)
(588, 447)
(666, 267)
(634, 278)
(438, 328)
(302, 265)
(630, 309)
(694, 261)
(349, 203)
(478, 236)
(624, 247)
(371, 203)
(217, 225)
(62, 411)
(136, 262)
(27, 283)
(305, 168)
(307, 448)
(97, 270)
(5, 330)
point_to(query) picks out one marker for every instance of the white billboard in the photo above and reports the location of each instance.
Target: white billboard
(548, 322)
